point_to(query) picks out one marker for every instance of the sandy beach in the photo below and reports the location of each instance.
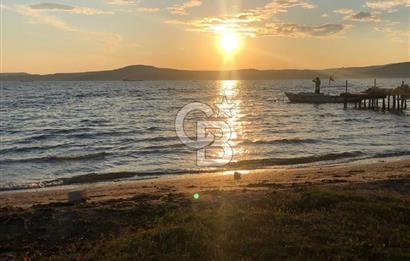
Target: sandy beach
(42, 223)
(222, 181)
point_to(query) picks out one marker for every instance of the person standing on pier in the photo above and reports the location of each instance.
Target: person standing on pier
(317, 85)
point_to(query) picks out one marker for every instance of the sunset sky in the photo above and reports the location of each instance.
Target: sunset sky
(68, 36)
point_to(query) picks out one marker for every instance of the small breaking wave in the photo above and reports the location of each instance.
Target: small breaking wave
(278, 141)
(243, 165)
(259, 163)
(49, 159)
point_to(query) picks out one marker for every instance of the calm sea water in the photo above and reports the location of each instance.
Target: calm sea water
(54, 130)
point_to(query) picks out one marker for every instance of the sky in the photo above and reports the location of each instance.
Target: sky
(70, 36)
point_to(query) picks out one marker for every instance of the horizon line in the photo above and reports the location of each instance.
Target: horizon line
(228, 70)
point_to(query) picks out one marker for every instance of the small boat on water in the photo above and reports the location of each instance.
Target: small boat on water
(308, 97)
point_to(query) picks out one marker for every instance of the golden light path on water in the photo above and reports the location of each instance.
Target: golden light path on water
(229, 89)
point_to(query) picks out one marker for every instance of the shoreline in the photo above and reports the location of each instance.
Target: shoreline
(363, 170)
(102, 178)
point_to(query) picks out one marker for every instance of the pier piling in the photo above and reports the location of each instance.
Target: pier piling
(379, 99)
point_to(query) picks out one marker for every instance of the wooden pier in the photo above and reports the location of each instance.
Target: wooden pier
(379, 99)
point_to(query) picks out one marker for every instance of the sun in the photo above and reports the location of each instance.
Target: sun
(229, 42)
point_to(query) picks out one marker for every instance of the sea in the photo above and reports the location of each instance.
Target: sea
(56, 133)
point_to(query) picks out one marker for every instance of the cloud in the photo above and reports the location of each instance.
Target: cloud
(398, 36)
(274, 7)
(43, 18)
(215, 25)
(108, 41)
(345, 11)
(182, 9)
(351, 15)
(53, 7)
(148, 10)
(121, 2)
(258, 22)
(282, 6)
(303, 31)
(363, 17)
(387, 5)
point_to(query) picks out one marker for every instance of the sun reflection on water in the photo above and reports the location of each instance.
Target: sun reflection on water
(230, 90)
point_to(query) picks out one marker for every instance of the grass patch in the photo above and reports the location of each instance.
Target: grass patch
(318, 223)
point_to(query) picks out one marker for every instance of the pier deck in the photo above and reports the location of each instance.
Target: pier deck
(382, 99)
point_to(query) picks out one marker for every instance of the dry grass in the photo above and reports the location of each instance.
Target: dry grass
(365, 221)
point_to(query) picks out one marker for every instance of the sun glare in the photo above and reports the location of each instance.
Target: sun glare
(229, 42)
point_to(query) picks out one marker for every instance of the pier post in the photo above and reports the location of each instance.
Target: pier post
(388, 102)
(384, 104)
(394, 102)
(402, 104)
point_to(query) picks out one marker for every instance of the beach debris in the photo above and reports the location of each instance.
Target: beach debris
(77, 196)
(236, 176)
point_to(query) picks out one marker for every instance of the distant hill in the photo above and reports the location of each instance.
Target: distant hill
(143, 72)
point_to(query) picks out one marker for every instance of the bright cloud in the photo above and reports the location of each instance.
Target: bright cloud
(121, 2)
(387, 5)
(182, 9)
(148, 10)
(282, 6)
(345, 11)
(258, 22)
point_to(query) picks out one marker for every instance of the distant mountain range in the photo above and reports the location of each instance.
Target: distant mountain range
(143, 72)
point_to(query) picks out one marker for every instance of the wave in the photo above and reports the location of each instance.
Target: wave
(33, 148)
(49, 159)
(392, 154)
(245, 164)
(293, 161)
(279, 141)
(159, 138)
